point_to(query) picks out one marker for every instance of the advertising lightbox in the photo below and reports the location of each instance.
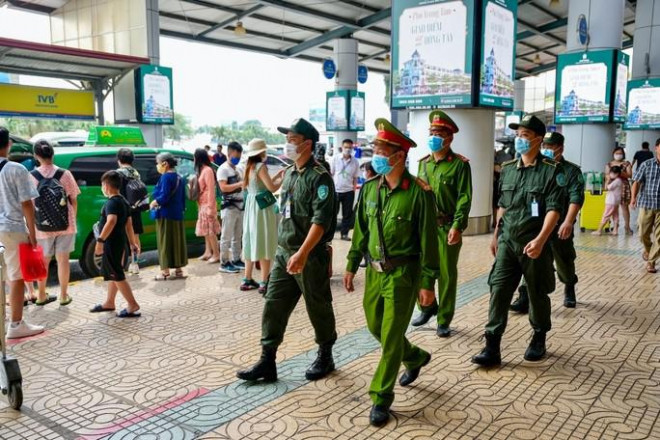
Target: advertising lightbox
(643, 105)
(336, 110)
(498, 47)
(620, 88)
(153, 95)
(584, 87)
(43, 102)
(357, 111)
(432, 51)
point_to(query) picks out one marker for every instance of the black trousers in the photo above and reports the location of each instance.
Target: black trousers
(346, 200)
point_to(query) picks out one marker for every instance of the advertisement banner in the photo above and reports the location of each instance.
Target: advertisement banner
(498, 47)
(643, 105)
(42, 102)
(584, 85)
(154, 97)
(357, 111)
(432, 44)
(623, 61)
(336, 110)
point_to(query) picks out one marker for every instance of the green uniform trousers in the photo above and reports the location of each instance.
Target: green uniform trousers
(448, 280)
(510, 264)
(284, 291)
(389, 301)
(563, 253)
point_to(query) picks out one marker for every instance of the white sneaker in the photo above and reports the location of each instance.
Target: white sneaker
(23, 330)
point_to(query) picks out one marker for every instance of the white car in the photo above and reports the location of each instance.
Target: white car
(62, 138)
(273, 163)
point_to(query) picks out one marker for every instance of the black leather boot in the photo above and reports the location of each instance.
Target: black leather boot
(409, 376)
(425, 316)
(536, 349)
(521, 305)
(264, 369)
(569, 296)
(323, 365)
(379, 415)
(490, 355)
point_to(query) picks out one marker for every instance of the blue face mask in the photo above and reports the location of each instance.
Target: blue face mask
(234, 160)
(522, 145)
(381, 164)
(548, 153)
(436, 143)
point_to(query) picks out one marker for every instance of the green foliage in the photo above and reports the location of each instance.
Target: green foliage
(180, 130)
(245, 132)
(26, 128)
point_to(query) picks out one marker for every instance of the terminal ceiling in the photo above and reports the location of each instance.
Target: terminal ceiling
(305, 29)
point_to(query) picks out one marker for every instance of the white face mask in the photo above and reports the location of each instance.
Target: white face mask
(291, 151)
(618, 157)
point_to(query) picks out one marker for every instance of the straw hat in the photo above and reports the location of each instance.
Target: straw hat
(256, 147)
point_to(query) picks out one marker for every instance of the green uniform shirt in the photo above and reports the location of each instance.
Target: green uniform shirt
(451, 182)
(574, 185)
(528, 194)
(409, 226)
(307, 198)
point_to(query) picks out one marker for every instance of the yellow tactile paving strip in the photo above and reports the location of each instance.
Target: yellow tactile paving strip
(96, 376)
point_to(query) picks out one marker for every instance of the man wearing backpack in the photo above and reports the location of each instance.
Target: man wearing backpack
(16, 212)
(134, 191)
(56, 209)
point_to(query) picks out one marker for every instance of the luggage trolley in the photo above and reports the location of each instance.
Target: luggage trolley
(11, 381)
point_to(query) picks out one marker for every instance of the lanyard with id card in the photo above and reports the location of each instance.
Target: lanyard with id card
(535, 208)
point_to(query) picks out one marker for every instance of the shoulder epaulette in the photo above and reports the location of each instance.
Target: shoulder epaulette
(509, 162)
(571, 163)
(424, 158)
(550, 162)
(461, 157)
(320, 169)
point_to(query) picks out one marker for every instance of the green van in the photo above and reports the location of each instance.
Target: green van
(87, 164)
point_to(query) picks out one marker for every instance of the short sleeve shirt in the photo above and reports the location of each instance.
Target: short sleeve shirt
(16, 187)
(648, 175)
(72, 192)
(116, 205)
(229, 174)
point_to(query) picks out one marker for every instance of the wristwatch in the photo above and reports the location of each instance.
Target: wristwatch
(100, 240)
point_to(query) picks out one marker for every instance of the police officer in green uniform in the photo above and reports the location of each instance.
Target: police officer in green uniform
(563, 249)
(301, 267)
(449, 176)
(532, 198)
(395, 229)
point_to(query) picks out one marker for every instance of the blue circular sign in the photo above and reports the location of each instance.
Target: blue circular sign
(583, 30)
(363, 74)
(329, 68)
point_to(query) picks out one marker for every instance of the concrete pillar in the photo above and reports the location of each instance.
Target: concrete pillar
(646, 46)
(475, 140)
(346, 57)
(519, 95)
(590, 145)
(153, 134)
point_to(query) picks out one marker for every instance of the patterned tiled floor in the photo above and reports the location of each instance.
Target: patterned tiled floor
(171, 373)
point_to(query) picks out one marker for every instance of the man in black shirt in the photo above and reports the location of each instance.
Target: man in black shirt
(642, 155)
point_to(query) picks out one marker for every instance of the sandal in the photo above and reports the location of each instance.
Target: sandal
(49, 299)
(650, 268)
(126, 314)
(99, 308)
(204, 257)
(162, 277)
(248, 285)
(67, 301)
(263, 287)
(178, 275)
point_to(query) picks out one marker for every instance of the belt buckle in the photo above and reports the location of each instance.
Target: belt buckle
(377, 266)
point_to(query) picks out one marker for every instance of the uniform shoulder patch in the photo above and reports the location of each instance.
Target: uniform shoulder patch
(323, 192)
(509, 162)
(550, 162)
(320, 169)
(463, 158)
(424, 158)
(561, 179)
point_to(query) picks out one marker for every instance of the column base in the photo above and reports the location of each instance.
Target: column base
(478, 225)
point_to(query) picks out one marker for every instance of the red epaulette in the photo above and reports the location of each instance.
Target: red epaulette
(405, 184)
(463, 158)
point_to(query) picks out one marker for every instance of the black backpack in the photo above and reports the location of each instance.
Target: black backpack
(52, 205)
(136, 193)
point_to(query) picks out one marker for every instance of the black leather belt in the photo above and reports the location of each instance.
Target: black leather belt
(392, 263)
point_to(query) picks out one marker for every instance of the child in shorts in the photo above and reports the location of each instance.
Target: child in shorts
(116, 229)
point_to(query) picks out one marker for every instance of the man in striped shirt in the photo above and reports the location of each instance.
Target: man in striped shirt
(646, 196)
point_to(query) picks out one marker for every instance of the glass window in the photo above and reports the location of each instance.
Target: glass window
(186, 167)
(145, 164)
(270, 160)
(88, 170)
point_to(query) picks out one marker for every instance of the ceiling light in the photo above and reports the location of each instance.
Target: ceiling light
(386, 60)
(537, 59)
(554, 3)
(239, 29)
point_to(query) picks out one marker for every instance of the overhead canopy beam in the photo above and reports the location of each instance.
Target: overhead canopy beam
(340, 32)
(542, 30)
(228, 21)
(374, 55)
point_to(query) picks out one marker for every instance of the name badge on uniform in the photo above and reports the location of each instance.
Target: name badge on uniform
(287, 208)
(535, 208)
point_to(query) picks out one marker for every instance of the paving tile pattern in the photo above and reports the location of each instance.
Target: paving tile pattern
(171, 373)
